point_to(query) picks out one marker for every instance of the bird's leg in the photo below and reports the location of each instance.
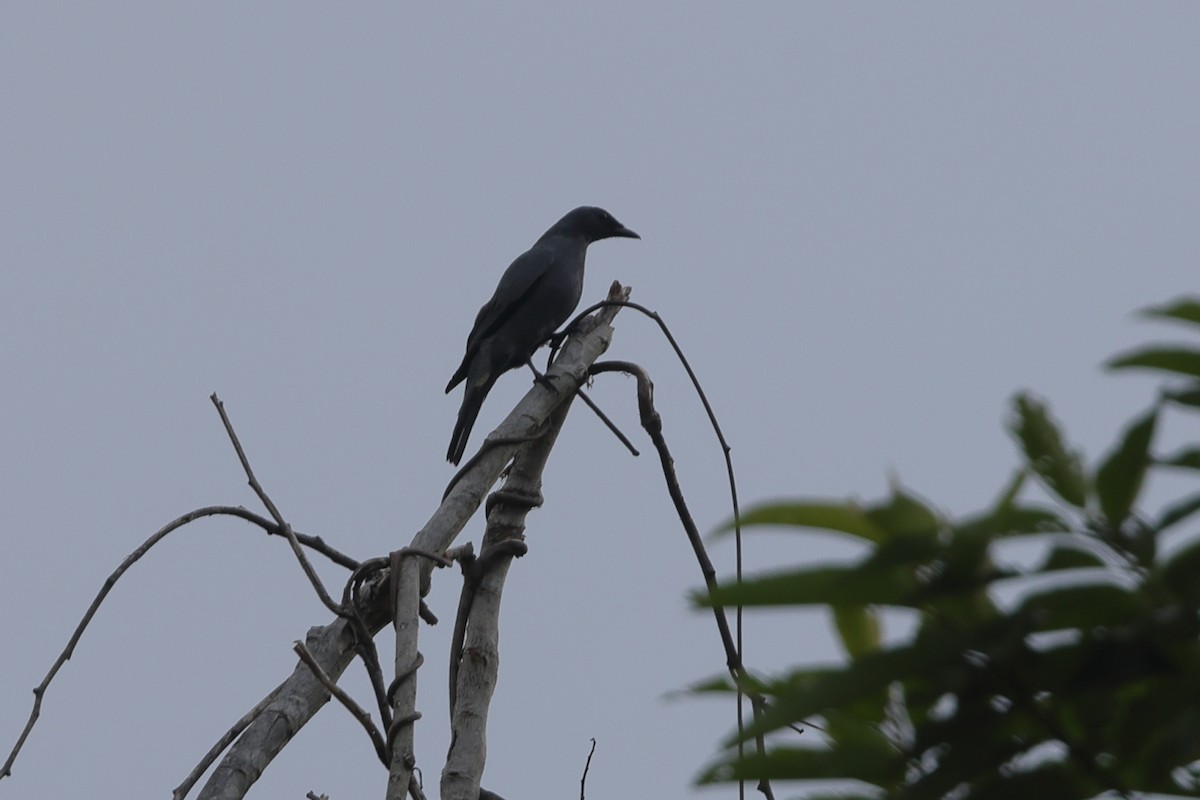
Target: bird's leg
(556, 341)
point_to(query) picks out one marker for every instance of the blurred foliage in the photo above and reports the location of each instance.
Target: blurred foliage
(1075, 677)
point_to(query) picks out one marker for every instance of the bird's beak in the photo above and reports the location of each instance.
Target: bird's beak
(624, 232)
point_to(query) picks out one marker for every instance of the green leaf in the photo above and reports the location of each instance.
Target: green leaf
(1188, 458)
(843, 517)
(904, 515)
(1015, 484)
(860, 683)
(1057, 466)
(874, 764)
(1022, 520)
(836, 585)
(858, 628)
(908, 550)
(719, 684)
(966, 755)
(1177, 512)
(1065, 556)
(1188, 395)
(845, 728)
(1185, 310)
(1119, 478)
(1062, 780)
(1181, 572)
(1007, 517)
(1178, 360)
(1084, 606)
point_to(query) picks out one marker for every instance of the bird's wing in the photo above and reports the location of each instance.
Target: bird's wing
(519, 281)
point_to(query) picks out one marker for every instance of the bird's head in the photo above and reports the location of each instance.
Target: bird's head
(592, 224)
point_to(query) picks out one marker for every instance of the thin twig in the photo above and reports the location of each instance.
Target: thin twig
(40, 690)
(314, 543)
(712, 417)
(608, 422)
(652, 422)
(357, 711)
(733, 493)
(313, 578)
(440, 560)
(587, 765)
(241, 454)
(363, 640)
(219, 747)
(592, 405)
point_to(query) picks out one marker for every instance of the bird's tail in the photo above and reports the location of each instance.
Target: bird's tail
(472, 402)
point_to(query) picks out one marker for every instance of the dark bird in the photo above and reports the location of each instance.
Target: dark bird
(536, 294)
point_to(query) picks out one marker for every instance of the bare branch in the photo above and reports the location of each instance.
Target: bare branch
(333, 646)
(352, 602)
(652, 422)
(209, 511)
(406, 592)
(357, 711)
(526, 422)
(219, 747)
(480, 644)
(241, 454)
(474, 571)
(733, 492)
(285, 711)
(608, 423)
(313, 578)
(587, 765)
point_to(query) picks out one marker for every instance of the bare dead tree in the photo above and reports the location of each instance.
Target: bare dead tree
(391, 589)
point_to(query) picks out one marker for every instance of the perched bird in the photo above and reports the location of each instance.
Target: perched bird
(536, 294)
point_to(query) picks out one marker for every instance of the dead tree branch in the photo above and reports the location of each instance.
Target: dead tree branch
(39, 691)
(358, 712)
(311, 573)
(652, 422)
(219, 747)
(526, 435)
(587, 765)
(525, 424)
(475, 659)
(334, 645)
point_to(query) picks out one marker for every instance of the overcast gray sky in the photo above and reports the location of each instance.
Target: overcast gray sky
(867, 224)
